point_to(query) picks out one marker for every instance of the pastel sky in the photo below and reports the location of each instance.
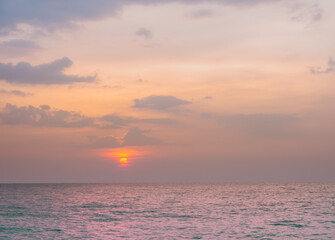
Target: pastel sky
(167, 91)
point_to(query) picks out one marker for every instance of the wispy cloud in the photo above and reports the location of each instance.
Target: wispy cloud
(15, 93)
(330, 67)
(304, 11)
(144, 33)
(200, 14)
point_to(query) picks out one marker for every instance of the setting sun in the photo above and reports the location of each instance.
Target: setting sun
(124, 156)
(123, 160)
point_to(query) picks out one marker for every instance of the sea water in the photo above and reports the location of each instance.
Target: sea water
(167, 211)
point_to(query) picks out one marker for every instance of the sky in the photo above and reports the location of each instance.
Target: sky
(167, 91)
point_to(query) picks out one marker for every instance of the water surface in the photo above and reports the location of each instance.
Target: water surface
(167, 211)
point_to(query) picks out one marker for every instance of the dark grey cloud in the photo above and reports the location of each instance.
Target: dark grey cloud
(43, 116)
(159, 102)
(145, 33)
(201, 13)
(330, 68)
(18, 47)
(15, 92)
(116, 121)
(48, 73)
(137, 137)
(51, 15)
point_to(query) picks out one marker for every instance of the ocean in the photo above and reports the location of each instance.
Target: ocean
(167, 211)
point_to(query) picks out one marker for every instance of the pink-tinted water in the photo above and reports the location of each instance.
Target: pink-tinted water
(167, 211)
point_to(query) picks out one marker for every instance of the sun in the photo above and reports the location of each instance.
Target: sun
(125, 157)
(123, 160)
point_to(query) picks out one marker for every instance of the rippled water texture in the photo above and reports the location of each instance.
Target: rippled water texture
(167, 211)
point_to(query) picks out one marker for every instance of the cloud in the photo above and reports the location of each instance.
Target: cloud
(118, 121)
(159, 102)
(304, 11)
(161, 121)
(137, 137)
(200, 14)
(51, 15)
(134, 137)
(106, 142)
(18, 47)
(140, 80)
(264, 125)
(145, 33)
(48, 73)
(251, 119)
(330, 68)
(43, 116)
(15, 92)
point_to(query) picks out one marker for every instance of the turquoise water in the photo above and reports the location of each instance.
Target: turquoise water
(167, 211)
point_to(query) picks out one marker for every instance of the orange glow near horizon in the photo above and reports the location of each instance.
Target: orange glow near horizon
(124, 156)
